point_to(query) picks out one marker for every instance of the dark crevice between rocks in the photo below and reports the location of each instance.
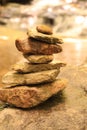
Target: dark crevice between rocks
(85, 90)
(30, 85)
(53, 101)
(50, 103)
(3, 105)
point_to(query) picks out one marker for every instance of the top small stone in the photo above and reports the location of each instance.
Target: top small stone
(44, 29)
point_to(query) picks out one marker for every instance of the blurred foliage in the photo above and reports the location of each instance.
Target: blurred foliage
(3, 2)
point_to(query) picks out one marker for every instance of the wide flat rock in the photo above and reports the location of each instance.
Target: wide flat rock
(28, 96)
(51, 39)
(13, 78)
(39, 58)
(32, 46)
(65, 111)
(26, 67)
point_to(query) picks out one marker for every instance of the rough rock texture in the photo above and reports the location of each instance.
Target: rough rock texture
(25, 67)
(39, 58)
(36, 47)
(65, 111)
(13, 78)
(44, 29)
(51, 39)
(28, 96)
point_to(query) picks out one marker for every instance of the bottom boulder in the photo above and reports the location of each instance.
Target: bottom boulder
(28, 96)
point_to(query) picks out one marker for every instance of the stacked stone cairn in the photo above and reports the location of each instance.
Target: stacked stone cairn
(34, 80)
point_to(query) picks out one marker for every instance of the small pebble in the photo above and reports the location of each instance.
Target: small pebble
(44, 29)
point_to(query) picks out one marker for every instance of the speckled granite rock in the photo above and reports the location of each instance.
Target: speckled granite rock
(32, 46)
(51, 39)
(13, 78)
(39, 58)
(26, 67)
(28, 96)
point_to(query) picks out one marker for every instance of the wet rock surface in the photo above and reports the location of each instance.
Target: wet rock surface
(65, 111)
(28, 96)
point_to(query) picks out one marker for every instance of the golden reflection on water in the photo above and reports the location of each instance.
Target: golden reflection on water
(74, 51)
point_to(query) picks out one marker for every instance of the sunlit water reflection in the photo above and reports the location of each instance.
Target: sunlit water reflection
(74, 51)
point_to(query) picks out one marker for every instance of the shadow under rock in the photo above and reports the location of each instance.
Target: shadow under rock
(52, 102)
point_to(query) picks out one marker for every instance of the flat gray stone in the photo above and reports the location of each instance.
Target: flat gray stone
(25, 67)
(39, 58)
(12, 78)
(28, 96)
(51, 39)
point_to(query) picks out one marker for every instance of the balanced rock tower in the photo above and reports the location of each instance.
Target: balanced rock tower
(34, 80)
